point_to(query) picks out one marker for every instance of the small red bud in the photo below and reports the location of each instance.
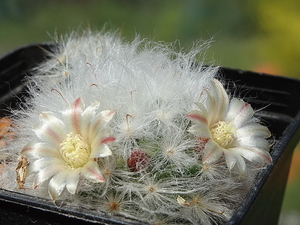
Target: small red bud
(138, 160)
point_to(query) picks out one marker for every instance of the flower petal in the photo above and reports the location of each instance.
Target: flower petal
(40, 150)
(73, 115)
(72, 180)
(92, 172)
(210, 105)
(100, 121)
(57, 184)
(101, 150)
(220, 102)
(86, 118)
(230, 160)
(202, 109)
(253, 154)
(253, 129)
(51, 129)
(198, 117)
(239, 112)
(99, 145)
(42, 163)
(233, 158)
(252, 141)
(200, 130)
(47, 173)
(212, 152)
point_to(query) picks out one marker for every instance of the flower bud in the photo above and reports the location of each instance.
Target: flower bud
(138, 160)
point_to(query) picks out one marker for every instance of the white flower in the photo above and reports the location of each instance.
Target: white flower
(229, 128)
(69, 147)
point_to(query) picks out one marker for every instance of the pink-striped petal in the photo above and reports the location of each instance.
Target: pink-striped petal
(73, 115)
(198, 117)
(100, 122)
(239, 112)
(101, 150)
(57, 184)
(108, 139)
(99, 145)
(92, 172)
(253, 129)
(51, 129)
(40, 164)
(40, 150)
(202, 109)
(253, 154)
(212, 152)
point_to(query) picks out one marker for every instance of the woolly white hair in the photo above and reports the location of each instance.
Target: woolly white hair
(151, 88)
(142, 81)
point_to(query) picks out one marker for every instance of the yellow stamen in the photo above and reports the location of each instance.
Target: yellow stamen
(223, 133)
(75, 150)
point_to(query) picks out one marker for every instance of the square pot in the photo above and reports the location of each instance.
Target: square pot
(278, 96)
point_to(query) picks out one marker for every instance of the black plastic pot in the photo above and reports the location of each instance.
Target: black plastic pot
(278, 96)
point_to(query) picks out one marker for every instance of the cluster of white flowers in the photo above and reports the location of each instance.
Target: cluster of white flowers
(135, 129)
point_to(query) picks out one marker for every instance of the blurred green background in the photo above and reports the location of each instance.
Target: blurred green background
(258, 35)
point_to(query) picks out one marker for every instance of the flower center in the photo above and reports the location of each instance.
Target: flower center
(223, 133)
(75, 150)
